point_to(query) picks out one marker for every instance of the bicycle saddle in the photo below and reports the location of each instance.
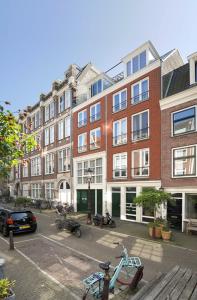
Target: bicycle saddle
(105, 266)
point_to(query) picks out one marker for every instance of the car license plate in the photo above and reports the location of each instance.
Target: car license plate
(24, 227)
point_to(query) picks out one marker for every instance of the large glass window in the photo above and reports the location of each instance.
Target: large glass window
(95, 112)
(36, 166)
(130, 205)
(36, 190)
(140, 91)
(51, 134)
(96, 88)
(61, 130)
(68, 97)
(97, 171)
(61, 103)
(82, 118)
(140, 126)
(95, 138)
(184, 121)
(120, 100)
(140, 163)
(49, 190)
(64, 160)
(25, 169)
(82, 142)
(191, 206)
(120, 132)
(67, 126)
(25, 190)
(184, 161)
(120, 165)
(49, 163)
(138, 63)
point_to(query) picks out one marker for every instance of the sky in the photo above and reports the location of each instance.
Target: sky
(39, 39)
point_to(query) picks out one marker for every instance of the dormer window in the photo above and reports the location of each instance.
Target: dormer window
(96, 88)
(138, 62)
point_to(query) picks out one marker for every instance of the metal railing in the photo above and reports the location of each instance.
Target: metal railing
(140, 134)
(140, 171)
(120, 139)
(120, 106)
(95, 145)
(82, 123)
(140, 98)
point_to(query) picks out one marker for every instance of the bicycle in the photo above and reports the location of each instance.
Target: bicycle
(123, 274)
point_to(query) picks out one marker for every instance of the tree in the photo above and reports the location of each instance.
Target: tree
(152, 199)
(13, 141)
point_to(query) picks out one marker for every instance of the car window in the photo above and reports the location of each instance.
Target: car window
(21, 215)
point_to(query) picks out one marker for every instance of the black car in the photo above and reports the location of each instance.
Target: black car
(17, 221)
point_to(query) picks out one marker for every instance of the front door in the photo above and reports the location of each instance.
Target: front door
(116, 203)
(82, 200)
(174, 211)
(99, 202)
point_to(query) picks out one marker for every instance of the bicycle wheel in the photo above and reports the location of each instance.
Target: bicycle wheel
(58, 224)
(126, 275)
(77, 232)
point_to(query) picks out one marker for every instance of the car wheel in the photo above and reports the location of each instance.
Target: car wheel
(77, 232)
(5, 231)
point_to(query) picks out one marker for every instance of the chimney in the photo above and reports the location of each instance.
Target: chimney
(192, 59)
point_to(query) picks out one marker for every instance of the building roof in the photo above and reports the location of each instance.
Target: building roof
(176, 81)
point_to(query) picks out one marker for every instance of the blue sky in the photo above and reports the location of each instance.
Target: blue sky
(39, 39)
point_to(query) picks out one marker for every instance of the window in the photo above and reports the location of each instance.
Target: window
(82, 118)
(130, 205)
(25, 169)
(46, 113)
(67, 126)
(95, 138)
(120, 132)
(49, 163)
(191, 206)
(36, 190)
(140, 91)
(140, 163)
(61, 103)
(49, 190)
(96, 88)
(38, 142)
(51, 134)
(95, 112)
(97, 171)
(68, 96)
(82, 142)
(37, 119)
(184, 121)
(46, 136)
(61, 130)
(64, 160)
(25, 190)
(36, 166)
(120, 165)
(184, 161)
(138, 62)
(120, 101)
(128, 68)
(140, 126)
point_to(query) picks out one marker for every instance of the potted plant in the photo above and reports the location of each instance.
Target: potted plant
(152, 199)
(166, 233)
(151, 229)
(6, 292)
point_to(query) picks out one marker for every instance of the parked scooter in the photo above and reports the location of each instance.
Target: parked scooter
(101, 220)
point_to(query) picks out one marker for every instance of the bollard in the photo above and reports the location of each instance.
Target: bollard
(136, 279)
(11, 240)
(105, 294)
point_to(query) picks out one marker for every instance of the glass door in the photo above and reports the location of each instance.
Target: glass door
(130, 205)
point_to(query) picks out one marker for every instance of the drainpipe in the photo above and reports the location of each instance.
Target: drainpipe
(106, 133)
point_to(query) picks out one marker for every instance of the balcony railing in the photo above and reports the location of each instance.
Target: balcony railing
(95, 145)
(140, 134)
(82, 148)
(140, 98)
(82, 123)
(140, 171)
(120, 139)
(95, 117)
(120, 173)
(120, 106)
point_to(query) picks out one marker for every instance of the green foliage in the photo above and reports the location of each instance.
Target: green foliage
(22, 201)
(151, 224)
(5, 286)
(152, 199)
(12, 141)
(166, 228)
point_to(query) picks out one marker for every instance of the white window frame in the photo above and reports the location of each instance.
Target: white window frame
(84, 120)
(132, 117)
(46, 113)
(121, 141)
(51, 134)
(172, 161)
(36, 190)
(172, 122)
(36, 166)
(52, 109)
(96, 165)
(141, 159)
(49, 163)
(120, 102)
(140, 91)
(115, 169)
(64, 160)
(96, 118)
(37, 119)
(67, 126)
(25, 170)
(61, 130)
(97, 143)
(68, 97)
(46, 136)
(82, 148)
(49, 186)
(61, 108)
